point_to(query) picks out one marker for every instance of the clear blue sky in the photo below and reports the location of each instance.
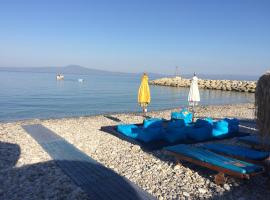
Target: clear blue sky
(206, 36)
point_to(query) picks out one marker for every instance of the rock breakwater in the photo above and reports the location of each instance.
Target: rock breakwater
(225, 85)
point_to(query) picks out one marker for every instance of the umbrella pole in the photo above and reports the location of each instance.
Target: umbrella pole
(143, 108)
(193, 113)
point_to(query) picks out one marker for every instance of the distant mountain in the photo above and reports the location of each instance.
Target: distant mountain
(70, 69)
(76, 69)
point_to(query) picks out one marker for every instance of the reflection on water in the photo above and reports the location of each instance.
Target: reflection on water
(39, 95)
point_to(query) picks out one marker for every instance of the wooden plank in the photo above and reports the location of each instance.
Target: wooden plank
(95, 179)
(213, 167)
(257, 162)
(255, 140)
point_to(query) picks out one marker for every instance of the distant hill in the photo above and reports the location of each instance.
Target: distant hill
(76, 69)
(71, 69)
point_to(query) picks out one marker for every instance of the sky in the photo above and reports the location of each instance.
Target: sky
(209, 36)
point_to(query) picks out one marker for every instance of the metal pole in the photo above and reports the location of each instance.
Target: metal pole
(193, 112)
(144, 110)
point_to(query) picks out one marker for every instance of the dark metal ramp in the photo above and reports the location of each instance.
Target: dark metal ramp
(95, 179)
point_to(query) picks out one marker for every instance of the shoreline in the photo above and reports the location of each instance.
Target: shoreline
(155, 172)
(118, 113)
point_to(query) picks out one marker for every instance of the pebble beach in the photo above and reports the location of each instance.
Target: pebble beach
(28, 172)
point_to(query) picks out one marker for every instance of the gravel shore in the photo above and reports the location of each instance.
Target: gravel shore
(27, 172)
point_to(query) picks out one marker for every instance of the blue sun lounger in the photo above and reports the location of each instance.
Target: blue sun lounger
(255, 141)
(239, 152)
(223, 165)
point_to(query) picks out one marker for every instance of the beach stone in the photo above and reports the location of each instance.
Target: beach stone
(202, 191)
(186, 194)
(226, 186)
(177, 167)
(154, 171)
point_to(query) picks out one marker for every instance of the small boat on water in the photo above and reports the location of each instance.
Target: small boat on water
(80, 80)
(60, 77)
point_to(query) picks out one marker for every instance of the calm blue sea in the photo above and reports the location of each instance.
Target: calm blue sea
(39, 95)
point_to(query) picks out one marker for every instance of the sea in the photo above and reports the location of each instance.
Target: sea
(27, 95)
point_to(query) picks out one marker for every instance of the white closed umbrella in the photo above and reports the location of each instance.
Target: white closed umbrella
(194, 94)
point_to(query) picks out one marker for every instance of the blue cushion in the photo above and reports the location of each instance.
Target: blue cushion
(202, 123)
(215, 159)
(152, 123)
(176, 124)
(183, 114)
(239, 151)
(221, 125)
(232, 121)
(219, 134)
(200, 134)
(220, 129)
(209, 119)
(129, 130)
(151, 134)
(173, 135)
(233, 125)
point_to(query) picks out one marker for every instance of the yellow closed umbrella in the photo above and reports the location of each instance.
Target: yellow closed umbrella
(144, 96)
